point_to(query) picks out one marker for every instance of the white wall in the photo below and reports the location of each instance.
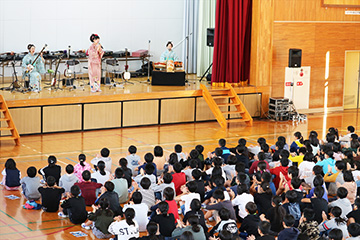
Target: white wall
(119, 23)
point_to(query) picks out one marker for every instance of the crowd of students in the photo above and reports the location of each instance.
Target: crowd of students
(308, 189)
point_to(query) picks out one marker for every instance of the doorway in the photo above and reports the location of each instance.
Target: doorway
(352, 80)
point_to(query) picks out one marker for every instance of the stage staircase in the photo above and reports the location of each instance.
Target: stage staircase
(6, 117)
(220, 110)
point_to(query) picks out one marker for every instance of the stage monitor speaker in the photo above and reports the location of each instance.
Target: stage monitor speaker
(295, 57)
(210, 32)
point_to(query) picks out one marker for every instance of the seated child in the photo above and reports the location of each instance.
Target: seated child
(147, 172)
(126, 171)
(354, 216)
(335, 234)
(121, 185)
(292, 207)
(125, 229)
(165, 220)
(164, 182)
(74, 207)
(101, 175)
(308, 225)
(88, 188)
(51, 170)
(218, 202)
(192, 226)
(196, 175)
(50, 195)
(224, 222)
(30, 185)
(100, 219)
(80, 167)
(107, 191)
(148, 195)
(335, 222)
(179, 178)
(69, 179)
(11, 175)
(195, 207)
(250, 224)
(318, 203)
(133, 159)
(342, 202)
(103, 156)
(187, 196)
(178, 150)
(264, 232)
(289, 232)
(141, 210)
(149, 158)
(354, 231)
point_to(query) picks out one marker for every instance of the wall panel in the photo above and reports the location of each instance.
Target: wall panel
(137, 113)
(177, 110)
(62, 118)
(102, 115)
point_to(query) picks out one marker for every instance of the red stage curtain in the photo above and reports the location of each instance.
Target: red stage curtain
(231, 62)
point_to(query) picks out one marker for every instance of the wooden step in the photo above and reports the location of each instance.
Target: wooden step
(227, 104)
(4, 119)
(8, 138)
(239, 120)
(223, 97)
(6, 128)
(219, 89)
(233, 112)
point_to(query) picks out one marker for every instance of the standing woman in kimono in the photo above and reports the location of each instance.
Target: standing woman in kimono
(95, 53)
(34, 75)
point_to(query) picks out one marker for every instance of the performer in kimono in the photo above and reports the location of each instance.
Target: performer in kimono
(169, 54)
(95, 53)
(34, 74)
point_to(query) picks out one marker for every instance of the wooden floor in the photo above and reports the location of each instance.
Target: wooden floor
(17, 223)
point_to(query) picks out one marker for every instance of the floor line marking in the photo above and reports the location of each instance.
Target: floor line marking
(15, 220)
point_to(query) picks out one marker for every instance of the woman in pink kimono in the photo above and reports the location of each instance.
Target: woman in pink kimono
(95, 53)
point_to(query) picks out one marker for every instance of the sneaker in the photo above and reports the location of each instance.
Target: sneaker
(93, 91)
(211, 219)
(61, 214)
(179, 211)
(99, 90)
(85, 227)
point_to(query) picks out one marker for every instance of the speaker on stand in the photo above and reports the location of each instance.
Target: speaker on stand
(210, 33)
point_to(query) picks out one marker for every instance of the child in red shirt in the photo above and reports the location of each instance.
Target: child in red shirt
(179, 178)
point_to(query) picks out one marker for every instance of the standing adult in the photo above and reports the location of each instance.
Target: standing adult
(95, 54)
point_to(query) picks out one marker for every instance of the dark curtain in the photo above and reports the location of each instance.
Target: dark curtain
(231, 62)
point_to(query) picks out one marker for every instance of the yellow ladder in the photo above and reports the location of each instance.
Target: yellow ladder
(210, 95)
(6, 117)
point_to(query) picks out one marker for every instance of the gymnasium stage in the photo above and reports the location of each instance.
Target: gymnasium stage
(138, 104)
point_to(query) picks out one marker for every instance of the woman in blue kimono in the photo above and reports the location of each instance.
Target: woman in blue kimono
(169, 54)
(34, 75)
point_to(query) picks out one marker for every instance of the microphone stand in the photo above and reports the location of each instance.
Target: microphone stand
(187, 55)
(148, 80)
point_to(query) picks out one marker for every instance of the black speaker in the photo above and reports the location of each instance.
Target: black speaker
(210, 32)
(295, 57)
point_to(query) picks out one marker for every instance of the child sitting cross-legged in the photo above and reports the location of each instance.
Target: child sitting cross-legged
(100, 219)
(74, 206)
(165, 220)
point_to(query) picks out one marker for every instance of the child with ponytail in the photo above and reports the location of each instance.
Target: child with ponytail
(81, 167)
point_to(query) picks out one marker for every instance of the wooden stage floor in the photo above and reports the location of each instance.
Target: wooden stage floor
(17, 223)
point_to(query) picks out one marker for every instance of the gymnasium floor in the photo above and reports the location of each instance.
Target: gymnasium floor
(17, 223)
